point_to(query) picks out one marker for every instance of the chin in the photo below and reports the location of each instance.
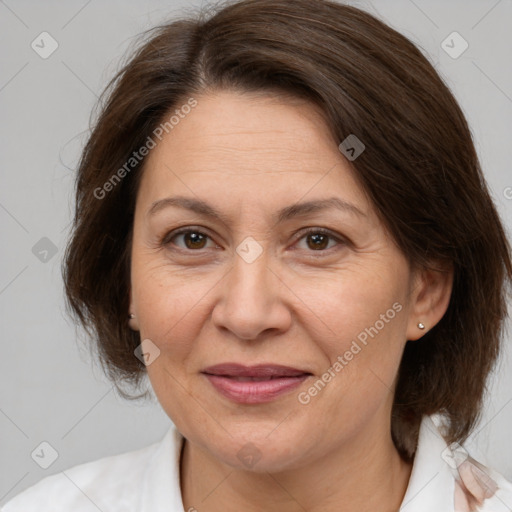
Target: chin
(260, 452)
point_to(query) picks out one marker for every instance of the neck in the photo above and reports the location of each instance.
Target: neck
(364, 474)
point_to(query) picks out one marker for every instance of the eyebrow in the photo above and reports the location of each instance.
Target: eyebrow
(295, 210)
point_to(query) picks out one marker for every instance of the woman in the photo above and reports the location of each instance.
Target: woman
(281, 219)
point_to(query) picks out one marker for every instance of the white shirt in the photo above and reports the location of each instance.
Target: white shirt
(443, 479)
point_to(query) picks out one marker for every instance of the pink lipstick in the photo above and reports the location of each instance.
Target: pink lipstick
(254, 384)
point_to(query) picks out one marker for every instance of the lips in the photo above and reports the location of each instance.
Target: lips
(254, 384)
(261, 371)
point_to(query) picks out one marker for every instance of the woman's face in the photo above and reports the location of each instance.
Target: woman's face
(245, 283)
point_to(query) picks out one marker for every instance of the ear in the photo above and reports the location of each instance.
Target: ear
(430, 297)
(133, 323)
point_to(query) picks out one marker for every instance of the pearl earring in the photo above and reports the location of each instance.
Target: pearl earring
(131, 315)
(421, 326)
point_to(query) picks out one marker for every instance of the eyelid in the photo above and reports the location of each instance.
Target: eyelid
(298, 235)
(341, 240)
(318, 229)
(166, 239)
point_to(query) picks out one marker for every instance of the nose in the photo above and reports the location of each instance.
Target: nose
(252, 302)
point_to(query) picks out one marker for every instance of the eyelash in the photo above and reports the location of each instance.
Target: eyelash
(166, 240)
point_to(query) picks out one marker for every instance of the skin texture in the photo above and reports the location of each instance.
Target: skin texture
(202, 304)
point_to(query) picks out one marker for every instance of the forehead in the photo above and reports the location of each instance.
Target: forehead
(270, 145)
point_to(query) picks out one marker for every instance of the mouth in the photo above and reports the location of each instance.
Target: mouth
(254, 384)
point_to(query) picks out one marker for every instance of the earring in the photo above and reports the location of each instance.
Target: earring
(421, 326)
(131, 315)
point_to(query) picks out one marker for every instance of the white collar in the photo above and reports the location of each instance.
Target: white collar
(161, 484)
(432, 484)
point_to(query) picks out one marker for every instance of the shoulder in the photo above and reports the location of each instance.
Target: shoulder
(109, 483)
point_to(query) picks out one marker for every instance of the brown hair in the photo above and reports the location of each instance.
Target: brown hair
(420, 169)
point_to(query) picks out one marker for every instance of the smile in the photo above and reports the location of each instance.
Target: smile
(256, 384)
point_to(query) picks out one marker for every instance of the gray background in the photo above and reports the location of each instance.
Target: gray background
(51, 390)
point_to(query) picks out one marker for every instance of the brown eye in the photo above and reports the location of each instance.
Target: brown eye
(320, 240)
(317, 241)
(192, 239)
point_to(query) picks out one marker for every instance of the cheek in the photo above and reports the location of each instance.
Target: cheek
(170, 306)
(364, 326)
(363, 316)
(358, 304)
(171, 311)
